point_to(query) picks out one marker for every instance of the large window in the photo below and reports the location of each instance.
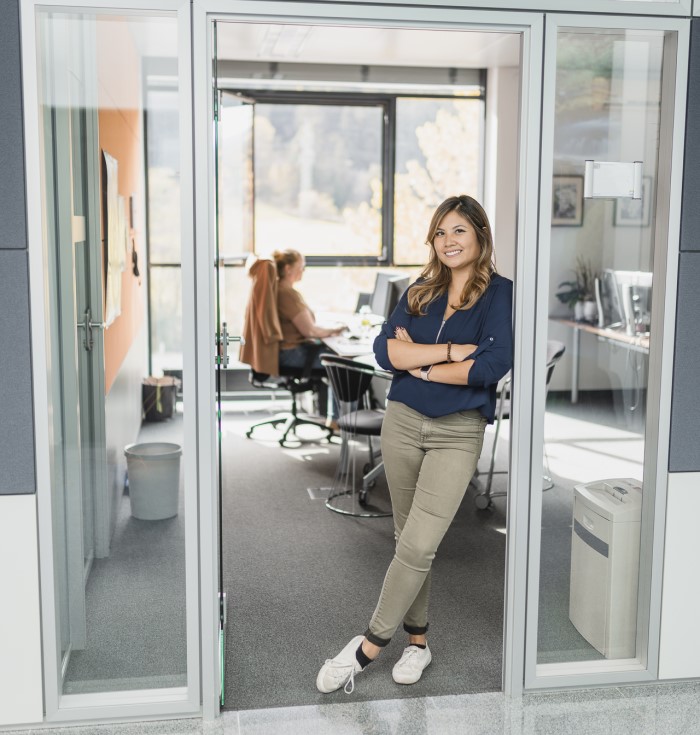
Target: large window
(438, 154)
(318, 179)
(164, 259)
(346, 178)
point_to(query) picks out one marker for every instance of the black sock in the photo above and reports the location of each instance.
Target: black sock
(362, 658)
(419, 645)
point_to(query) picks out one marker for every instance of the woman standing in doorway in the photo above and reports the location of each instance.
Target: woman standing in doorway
(448, 342)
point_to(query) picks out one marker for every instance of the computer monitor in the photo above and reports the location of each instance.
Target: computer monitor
(397, 286)
(379, 301)
(624, 300)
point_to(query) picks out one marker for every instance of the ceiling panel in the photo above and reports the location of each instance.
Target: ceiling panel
(367, 46)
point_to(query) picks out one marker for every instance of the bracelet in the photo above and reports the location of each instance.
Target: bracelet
(449, 349)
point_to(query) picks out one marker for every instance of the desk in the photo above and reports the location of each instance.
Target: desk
(635, 343)
(346, 347)
(363, 341)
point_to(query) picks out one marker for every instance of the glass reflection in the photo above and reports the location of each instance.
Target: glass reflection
(607, 108)
(119, 540)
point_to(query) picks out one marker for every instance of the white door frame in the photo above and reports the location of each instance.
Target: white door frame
(530, 25)
(199, 327)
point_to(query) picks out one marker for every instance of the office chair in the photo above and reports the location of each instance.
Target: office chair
(555, 350)
(358, 418)
(296, 381)
(262, 334)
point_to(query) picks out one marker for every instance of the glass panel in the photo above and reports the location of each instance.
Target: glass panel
(318, 179)
(607, 108)
(428, 132)
(321, 285)
(118, 513)
(166, 318)
(235, 185)
(162, 171)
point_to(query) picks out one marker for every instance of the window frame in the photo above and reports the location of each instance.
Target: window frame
(388, 158)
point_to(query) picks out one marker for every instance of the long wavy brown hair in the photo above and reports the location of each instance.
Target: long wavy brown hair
(436, 276)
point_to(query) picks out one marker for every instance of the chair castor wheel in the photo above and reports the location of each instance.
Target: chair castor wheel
(363, 497)
(482, 501)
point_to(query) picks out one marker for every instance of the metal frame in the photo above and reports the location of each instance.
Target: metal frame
(387, 103)
(530, 26)
(616, 7)
(347, 99)
(645, 668)
(196, 109)
(140, 704)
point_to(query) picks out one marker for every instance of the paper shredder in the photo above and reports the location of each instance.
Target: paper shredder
(605, 564)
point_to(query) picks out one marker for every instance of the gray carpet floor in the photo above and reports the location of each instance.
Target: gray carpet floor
(134, 600)
(301, 581)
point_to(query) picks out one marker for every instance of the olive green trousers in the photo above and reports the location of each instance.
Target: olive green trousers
(429, 464)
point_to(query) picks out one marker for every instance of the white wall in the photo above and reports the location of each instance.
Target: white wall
(123, 417)
(20, 632)
(679, 651)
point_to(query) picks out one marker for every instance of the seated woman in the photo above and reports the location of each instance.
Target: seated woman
(296, 319)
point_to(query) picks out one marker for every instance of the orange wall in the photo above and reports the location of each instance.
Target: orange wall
(120, 134)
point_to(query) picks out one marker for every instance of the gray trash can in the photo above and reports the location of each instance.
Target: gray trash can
(154, 479)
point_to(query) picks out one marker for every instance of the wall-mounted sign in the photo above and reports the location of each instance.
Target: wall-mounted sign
(612, 179)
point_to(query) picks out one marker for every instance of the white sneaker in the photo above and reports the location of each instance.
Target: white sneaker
(340, 671)
(409, 668)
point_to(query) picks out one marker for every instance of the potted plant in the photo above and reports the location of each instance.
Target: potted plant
(579, 294)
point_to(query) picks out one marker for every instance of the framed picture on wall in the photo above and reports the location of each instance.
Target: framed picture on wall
(634, 212)
(567, 201)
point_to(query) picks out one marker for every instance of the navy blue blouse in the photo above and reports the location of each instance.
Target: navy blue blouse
(487, 324)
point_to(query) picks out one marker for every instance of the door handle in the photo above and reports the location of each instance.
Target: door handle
(88, 325)
(223, 340)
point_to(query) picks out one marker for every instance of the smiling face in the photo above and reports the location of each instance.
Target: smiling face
(455, 242)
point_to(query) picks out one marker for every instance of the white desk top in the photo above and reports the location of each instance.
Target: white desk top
(347, 347)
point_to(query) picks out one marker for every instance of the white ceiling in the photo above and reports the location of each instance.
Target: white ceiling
(366, 46)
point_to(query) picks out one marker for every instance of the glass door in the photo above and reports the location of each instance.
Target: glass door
(233, 228)
(611, 93)
(76, 286)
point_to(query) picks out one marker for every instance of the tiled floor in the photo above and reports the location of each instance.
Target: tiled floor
(670, 709)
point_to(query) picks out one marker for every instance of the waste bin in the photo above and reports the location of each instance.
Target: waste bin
(158, 396)
(153, 469)
(605, 564)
